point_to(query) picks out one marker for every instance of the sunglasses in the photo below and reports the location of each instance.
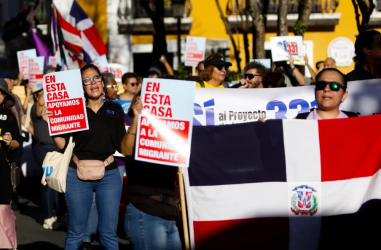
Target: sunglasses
(115, 87)
(87, 81)
(133, 84)
(220, 67)
(333, 86)
(251, 76)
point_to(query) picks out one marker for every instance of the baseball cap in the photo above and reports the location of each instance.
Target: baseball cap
(216, 61)
(4, 88)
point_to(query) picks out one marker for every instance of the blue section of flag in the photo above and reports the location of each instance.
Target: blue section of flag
(77, 12)
(256, 154)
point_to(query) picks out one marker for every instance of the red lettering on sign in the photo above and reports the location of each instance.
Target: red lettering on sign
(153, 86)
(51, 79)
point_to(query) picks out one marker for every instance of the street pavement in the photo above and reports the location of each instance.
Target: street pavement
(30, 233)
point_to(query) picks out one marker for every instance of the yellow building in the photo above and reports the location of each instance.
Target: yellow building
(325, 25)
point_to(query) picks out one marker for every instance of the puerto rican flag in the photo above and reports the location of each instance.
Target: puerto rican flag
(286, 184)
(81, 37)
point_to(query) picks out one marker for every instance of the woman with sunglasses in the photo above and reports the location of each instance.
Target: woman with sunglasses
(130, 85)
(104, 137)
(216, 69)
(330, 92)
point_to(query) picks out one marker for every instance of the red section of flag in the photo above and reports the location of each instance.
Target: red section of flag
(350, 148)
(259, 233)
(93, 36)
(74, 46)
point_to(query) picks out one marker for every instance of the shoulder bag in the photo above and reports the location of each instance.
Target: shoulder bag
(56, 166)
(15, 171)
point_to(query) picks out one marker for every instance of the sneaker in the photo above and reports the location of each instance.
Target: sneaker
(51, 223)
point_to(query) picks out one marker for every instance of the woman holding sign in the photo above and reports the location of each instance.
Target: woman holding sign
(151, 213)
(10, 139)
(92, 154)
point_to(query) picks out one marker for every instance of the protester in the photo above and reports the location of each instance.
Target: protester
(153, 72)
(106, 131)
(294, 71)
(311, 70)
(253, 74)
(111, 86)
(216, 69)
(10, 139)
(44, 144)
(319, 66)
(152, 207)
(368, 56)
(130, 83)
(111, 89)
(273, 80)
(330, 92)
(329, 63)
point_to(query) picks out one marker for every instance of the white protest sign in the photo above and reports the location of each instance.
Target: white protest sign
(165, 127)
(195, 50)
(22, 58)
(117, 70)
(54, 61)
(63, 95)
(229, 106)
(282, 46)
(36, 69)
(102, 64)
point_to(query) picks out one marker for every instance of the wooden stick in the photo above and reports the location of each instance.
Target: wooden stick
(193, 71)
(183, 208)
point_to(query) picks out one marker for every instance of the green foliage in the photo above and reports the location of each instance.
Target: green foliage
(299, 27)
(233, 76)
(182, 72)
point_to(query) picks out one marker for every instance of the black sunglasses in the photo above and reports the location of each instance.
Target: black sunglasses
(333, 86)
(251, 76)
(220, 67)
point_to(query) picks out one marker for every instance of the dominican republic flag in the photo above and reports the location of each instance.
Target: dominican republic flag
(81, 38)
(286, 184)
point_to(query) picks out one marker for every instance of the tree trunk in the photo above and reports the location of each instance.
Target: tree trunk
(229, 31)
(304, 14)
(259, 29)
(245, 24)
(366, 8)
(282, 18)
(159, 33)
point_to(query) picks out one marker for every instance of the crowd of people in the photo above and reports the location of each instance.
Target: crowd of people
(152, 216)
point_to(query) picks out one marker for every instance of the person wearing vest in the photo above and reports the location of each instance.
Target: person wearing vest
(330, 92)
(216, 69)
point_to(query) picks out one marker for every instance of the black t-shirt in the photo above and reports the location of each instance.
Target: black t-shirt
(359, 73)
(105, 134)
(8, 123)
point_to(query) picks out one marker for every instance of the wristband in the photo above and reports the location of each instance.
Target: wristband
(128, 131)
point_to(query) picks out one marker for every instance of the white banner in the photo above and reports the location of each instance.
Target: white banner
(22, 58)
(228, 106)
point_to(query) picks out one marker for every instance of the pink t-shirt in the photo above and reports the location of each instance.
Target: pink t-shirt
(314, 116)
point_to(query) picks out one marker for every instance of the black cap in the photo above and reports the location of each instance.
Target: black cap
(217, 61)
(7, 74)
(4, 89)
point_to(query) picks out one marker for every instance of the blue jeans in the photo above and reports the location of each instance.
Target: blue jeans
(92, 223)
(146, 232)
(79, 197)
(49, 195)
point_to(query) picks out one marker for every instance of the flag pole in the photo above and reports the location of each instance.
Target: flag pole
(183, 209)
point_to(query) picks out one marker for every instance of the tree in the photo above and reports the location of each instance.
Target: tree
(257, 21)
(159, 32)
(282, 18)
(304, 10)
(366, 7)
(229, 31)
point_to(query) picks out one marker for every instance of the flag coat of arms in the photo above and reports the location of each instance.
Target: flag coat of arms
(285, 184)
(80, 35)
